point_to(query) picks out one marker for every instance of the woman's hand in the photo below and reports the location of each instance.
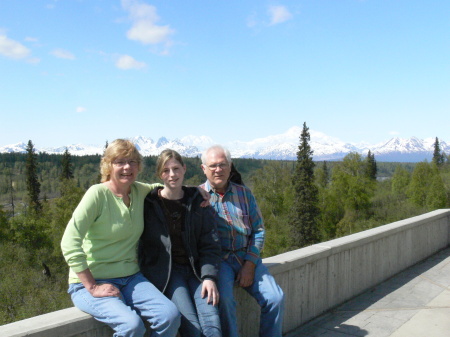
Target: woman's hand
(206, 196)
(97, 289)
(104, 290)
(209, 288)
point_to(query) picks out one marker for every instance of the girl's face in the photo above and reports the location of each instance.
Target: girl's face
(173, 174)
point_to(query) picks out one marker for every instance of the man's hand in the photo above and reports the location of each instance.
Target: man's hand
(209, 288)
(246, 275)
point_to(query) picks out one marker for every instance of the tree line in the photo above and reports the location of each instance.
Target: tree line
(303, 202)
(316, 202)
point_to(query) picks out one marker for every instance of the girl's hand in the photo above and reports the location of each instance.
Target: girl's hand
(209, 288)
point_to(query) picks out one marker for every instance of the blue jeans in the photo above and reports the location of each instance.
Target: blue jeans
(198, 317)
(264, 289)
(138, 298)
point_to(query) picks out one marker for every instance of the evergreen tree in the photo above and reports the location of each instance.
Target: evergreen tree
(438, 157)
(33, 184)
(322, 175)
(371, 166)
(66, 162)
(305, 209)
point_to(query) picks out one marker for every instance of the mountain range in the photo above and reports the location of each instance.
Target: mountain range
(278, 147)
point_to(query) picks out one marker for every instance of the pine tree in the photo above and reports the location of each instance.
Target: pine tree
(371, 166)
(33, 184)
(66, 162)
(322, 176)
(305, 213)
(438, 157)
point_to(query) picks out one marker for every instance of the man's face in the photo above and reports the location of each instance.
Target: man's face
(217, 169)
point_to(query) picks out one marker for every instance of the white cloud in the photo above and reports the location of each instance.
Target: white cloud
(279, 14)
(33, 60)
(251, 21)
(13, 49)
(144, 24)
(62, 54)
(80, 109)
(126, 62)
(394, 133)
(31, 39)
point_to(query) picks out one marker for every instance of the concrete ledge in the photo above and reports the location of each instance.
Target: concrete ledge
(66, 322)
(315, 279)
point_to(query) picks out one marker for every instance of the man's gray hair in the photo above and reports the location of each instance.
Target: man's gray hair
(216, 148)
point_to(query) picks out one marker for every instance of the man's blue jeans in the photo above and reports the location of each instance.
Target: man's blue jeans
(139, 298)
(264, 289)
(198, 317)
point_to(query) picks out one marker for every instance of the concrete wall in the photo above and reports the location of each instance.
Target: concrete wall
(314, 279)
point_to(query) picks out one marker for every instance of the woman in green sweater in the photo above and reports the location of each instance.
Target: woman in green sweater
(99, 245)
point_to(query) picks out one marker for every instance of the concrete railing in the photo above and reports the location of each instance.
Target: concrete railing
(315, 279)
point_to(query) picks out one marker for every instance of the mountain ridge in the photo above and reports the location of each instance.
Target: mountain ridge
(276, 147)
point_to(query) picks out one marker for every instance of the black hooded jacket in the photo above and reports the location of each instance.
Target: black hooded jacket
(199, 236)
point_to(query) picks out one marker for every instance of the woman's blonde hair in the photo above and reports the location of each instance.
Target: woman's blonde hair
(164, 157)
(122, 148)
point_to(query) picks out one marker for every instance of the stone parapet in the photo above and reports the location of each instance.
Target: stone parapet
(315, 279)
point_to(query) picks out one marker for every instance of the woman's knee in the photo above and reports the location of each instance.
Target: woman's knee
(132, 325)
(170, 316)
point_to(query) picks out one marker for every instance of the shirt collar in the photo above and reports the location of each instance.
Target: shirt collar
(210, 189)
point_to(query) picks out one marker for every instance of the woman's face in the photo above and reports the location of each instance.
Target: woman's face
(124, 170)
(173, 174)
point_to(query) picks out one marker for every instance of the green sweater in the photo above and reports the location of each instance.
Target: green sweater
(103, 233)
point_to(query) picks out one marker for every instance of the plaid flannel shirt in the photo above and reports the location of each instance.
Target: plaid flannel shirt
(239, 221)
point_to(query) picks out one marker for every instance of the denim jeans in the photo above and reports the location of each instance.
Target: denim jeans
(139, 298)
(264, 289)
(198, 317)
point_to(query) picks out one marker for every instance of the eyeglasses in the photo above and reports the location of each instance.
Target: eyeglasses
(214, 167)
(122, 163)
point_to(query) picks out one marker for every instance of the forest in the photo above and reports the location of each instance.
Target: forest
(303, 202)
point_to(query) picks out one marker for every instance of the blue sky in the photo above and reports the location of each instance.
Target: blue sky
(87, 71)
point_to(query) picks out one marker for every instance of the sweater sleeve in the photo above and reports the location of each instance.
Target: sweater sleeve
(82, 218)
(209, 245)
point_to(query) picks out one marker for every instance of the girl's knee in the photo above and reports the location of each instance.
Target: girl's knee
(172, 313)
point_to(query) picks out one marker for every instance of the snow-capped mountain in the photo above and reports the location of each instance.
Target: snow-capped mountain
(282, 146)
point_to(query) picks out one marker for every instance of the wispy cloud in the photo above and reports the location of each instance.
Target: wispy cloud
(13, 49)
(126, 62)
(31, 39)
(394, 133)
(144, 27)
(278, 14)
(62, 54)
(80, 109)
(252, 20)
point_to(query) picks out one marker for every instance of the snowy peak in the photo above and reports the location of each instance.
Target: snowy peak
(402, 145)
(19, 147)
(279, 147)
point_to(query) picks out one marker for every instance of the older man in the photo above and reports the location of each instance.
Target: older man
(241, 231)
